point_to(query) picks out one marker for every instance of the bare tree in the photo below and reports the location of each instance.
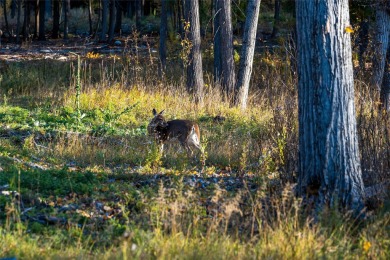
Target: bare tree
(194, 68)
(275, 29)
(217, 43)
(42, 12)
(329, 163)
(66, 7)
(112, 20)
(227, 61)
(163, 36)
(247, 53)
(18, 21)
(56, 20)
(119, 13)
(104, 20)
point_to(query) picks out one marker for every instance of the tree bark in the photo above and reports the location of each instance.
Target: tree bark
(104, 20)
(163, 36)
(385, 90)
(90, 17)
(119, 13)
(194, 69)
(227, 61)
(138, 14)
(26, 20)
(18, 21)
(42, 11)
(382, 35)
(66, 7)
(247, 53)
(5, 16)
(55, 34)
(112, 20)
(217, 44)
(329, 163)
(275, 29)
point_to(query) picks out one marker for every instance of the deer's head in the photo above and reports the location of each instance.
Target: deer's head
(157, 122)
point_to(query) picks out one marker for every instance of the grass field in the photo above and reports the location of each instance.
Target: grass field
(80, 178)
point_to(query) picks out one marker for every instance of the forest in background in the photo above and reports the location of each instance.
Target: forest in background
(80, 177)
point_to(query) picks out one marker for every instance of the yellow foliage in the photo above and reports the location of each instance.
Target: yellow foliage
(349, 29)
(92, 55)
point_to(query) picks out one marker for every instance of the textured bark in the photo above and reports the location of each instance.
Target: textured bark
(56, 20)
(382, 35)
(217, 44)
(275, 29)
(247, 53)
(103, 32)
(329, 163)
(66, 7)
(163, 36)
(194, 69)
(42, 12)
(112, 20)
(227, 61)
(385, 90)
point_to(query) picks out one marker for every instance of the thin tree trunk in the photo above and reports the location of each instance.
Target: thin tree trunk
(42, 11)
(194, 69)
(104, 20)
(18, 21)
(227, 61)
(26, 20)
(275, 29)
(118, 22)
(217, 44)
(138, 14)
(329, 163)
(247, 53)
(36, 21)
(5, 16)
(56, 20)
(112, 20)
(385, 90)
(382, 35)
(90, 17)
(163, 36)
(66, 7)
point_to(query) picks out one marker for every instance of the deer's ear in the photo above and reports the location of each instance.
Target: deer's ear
(162, 112)
(154, 112)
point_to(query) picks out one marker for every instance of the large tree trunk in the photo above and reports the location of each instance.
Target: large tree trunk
(42, 11)
(227, 74)
(329, 163)
(104, 20)
(217, 44)
(247, 53)
(66, 7)
(194, 68)
(163, 36)
(112, 20)
(382, 34)
(55, 34)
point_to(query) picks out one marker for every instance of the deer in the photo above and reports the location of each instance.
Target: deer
(185, 132)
